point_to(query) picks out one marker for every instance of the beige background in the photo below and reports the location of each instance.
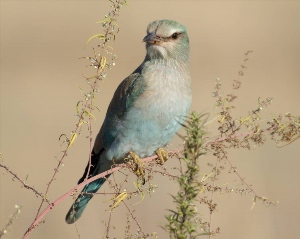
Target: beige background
(41, 42)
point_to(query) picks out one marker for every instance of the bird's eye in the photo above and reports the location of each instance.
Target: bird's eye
(175, 35)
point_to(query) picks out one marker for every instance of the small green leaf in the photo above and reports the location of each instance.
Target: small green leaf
(101, 36)
(90, 114)
(102, 62)
(73, 138)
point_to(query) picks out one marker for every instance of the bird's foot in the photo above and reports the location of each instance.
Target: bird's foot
(139, 166)
(162, 155)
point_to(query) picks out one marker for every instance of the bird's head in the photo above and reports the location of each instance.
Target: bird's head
(167, 39)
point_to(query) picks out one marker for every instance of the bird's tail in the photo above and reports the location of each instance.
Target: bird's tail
(82, 200)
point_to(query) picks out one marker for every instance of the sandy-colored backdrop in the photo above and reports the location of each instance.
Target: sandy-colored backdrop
(41, 42)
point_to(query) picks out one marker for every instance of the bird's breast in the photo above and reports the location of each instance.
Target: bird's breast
(167, 93)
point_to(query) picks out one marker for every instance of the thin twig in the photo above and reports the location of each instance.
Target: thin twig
(24, 184)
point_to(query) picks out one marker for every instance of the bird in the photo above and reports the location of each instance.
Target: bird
(147, 108)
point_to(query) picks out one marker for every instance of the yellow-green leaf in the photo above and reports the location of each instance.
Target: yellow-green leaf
(106, 20)
(101, 36)
(77, 106)
(118, 199)
(102, 62)
(82, 122)
(73, 138)
(90, 114)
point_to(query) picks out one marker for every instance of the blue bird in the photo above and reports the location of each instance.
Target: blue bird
(146, 110)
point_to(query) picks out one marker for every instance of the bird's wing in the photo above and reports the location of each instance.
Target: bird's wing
(128, 90)
(125, 95)
(123, 99)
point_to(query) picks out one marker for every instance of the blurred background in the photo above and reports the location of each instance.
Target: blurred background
(41, 42)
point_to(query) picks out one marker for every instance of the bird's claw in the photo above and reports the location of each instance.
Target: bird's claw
(139, 166)
(162, 155)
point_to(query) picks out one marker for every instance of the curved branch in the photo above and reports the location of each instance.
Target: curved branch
(79, 186)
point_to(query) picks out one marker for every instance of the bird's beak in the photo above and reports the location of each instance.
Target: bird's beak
(151, 38)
